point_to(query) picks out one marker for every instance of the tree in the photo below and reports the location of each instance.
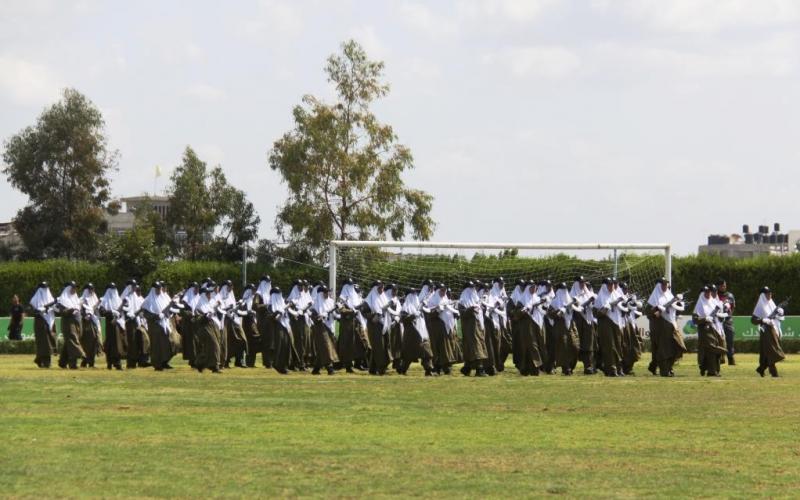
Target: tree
(343, 167)
(202, 202)
(135, 253)
(62, 164)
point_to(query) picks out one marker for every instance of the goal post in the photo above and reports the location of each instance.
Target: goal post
(336, 247)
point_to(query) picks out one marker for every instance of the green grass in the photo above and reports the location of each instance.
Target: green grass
(253, 432)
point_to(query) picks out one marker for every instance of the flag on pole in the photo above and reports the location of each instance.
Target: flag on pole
(158, 171)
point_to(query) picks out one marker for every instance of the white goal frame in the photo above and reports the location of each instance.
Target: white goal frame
(336, 244)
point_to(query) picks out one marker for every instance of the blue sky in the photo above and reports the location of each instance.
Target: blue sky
(540, 120)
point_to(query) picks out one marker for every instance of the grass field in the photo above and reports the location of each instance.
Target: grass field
(253, 432)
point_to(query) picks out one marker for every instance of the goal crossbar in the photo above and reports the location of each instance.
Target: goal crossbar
(334, 244)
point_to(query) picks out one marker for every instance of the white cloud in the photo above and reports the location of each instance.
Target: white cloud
(212, 154)
(26, 82)
(512, 10)
(206, 92)
(367, 36)
(708, 16)
(274, 18)
(536, 61)
(422, 18)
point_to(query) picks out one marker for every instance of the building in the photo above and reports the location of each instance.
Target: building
(125, 219)
(9, 237)
(747, 244)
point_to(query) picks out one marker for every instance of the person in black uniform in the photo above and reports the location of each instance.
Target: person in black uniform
(728, 303)
(17, 315)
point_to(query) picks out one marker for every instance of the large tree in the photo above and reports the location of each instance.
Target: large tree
(343, 167)
(62, 164)
(214, 218)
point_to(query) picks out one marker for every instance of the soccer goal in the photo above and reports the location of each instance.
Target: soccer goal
(408, 263)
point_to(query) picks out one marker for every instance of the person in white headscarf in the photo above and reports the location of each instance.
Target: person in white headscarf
(515, 316)
(236, 340)
(584, 323)
(547, 293)
(285, 356)
(188, 324)
(498, 339)
(68, 306)
(632, 334)
(263, 321)
(136, 335)
(156, 309)
(392, 318)
(667, 341)
(115, 345)
(473, 334)
(44, 323)
(207, 332)
(564, 331)
(768, 317)
(323, 339)
(91, 338)
(530, 346)
(709, 332)
(378, 329)
(416, 340)
(352, 326)
(442, 330)
(246, 311)
(299, 301)
(609, 319)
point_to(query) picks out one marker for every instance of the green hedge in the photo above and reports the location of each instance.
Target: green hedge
(745, 277)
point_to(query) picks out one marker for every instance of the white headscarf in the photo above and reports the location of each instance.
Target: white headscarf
(497, 294)
(207, 306)
(532, 302)
(580, 292)
(705, 307)
(264, 289)
(446, 313)
(155, 303)
(469, 299)
(352, 299)
(69, 299)
(376, 300)
(126, 291)
(111, 302)
(278, 306)
(424, 293)
(413, 307)
(562, 300)
(42, 298)
(325, 307)
(90, 302)
(191, 298)
(519, 291)
(247, 298)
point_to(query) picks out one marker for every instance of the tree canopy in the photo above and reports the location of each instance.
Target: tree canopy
(343, 167)
(62, 163)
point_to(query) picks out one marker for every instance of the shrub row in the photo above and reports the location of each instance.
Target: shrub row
(745, 277)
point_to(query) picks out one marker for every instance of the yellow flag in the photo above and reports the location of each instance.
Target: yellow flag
(158, 171)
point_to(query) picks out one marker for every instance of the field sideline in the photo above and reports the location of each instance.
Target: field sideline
(253, 432)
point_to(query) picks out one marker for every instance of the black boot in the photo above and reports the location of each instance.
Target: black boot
(331, 370)
(760, 370)
(731, 361)
(480, 372)
(465, 370)
(773, 370)
(315, 371)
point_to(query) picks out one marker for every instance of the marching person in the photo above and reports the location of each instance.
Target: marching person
(498, 342)
(515, 314)
(584, 323)
(565, 334)
(188, 325)
(473, 334)
(207, 334)
(378, 329)
(264, 322)
(530, 339)
(545, 290)
(285, 356)
(768, 317)
(710, 337)
(91, 338)
(138, 340)
(68, 306)
(234, 333)
(667, 342)
(44, 324)
(416, 341)
(631, 333)
(156, 309)
(728, 305)
(324, 314)
(392, 316)
(115, 345)
(299, 300)
(249, 325)
(351, 325)
(442, 330)
(608, 328)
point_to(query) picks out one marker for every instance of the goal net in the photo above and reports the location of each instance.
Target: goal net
(407, 264)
